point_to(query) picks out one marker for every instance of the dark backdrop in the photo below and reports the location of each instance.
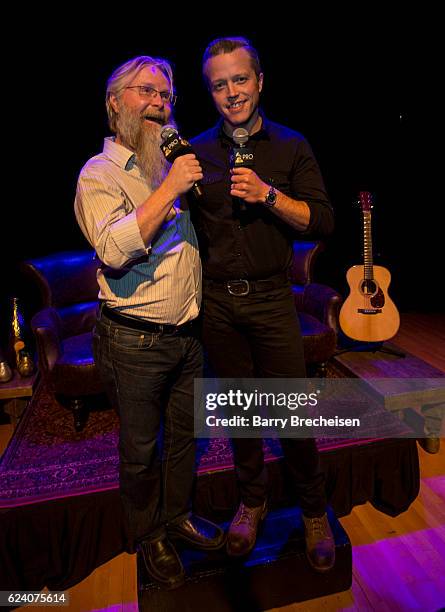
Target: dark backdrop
(349, 91)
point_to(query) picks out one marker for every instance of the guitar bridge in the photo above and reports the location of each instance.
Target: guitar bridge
(370, 311)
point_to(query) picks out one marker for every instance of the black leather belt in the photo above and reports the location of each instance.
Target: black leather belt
(244, 287)
(144, 325)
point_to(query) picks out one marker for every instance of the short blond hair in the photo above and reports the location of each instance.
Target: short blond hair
(123, 75)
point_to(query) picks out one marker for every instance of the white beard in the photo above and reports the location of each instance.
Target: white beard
(144, 138)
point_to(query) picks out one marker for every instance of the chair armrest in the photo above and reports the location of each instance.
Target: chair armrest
(47, 329)
(304, 256)
(320, 301)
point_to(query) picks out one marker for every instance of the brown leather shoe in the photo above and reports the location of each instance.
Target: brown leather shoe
(430, 445)
(320, 545)
(241, 536)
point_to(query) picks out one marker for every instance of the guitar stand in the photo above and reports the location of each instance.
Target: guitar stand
(389, 351)
(372, 347)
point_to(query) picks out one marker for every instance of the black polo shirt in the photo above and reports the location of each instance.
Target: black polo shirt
(250, 241)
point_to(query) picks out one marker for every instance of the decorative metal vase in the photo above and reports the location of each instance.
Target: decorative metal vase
(25, 364)
(5, 370)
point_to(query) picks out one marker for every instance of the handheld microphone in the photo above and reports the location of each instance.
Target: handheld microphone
(241, 156)
(240, 136)
(173, 146)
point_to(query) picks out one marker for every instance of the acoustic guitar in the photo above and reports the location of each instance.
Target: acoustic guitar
(368, 313)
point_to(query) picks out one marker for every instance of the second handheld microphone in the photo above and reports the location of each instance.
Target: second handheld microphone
(241, 156)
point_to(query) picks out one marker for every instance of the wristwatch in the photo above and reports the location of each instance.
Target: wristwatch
(271, 198)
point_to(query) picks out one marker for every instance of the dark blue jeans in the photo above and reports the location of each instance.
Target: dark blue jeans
(149, 378)
(258, 336)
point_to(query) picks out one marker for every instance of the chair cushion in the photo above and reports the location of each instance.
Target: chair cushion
(78, 318)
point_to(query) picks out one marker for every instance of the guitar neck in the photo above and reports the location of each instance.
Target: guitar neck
(367, 246)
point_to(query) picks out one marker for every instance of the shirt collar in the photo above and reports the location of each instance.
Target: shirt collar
(119, 154)
(262, 134)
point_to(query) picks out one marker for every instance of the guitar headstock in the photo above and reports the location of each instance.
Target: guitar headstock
(365, 200)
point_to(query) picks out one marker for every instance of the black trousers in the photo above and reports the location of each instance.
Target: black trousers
(258, 336)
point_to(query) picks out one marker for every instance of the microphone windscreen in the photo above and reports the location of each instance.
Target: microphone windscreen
(167, 131)
(240, 136)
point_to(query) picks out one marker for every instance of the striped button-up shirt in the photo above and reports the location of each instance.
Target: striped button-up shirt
(161, 283)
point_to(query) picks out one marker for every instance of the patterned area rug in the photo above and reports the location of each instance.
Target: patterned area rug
(47, 459)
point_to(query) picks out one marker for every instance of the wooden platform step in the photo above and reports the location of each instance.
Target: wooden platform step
(275, 574)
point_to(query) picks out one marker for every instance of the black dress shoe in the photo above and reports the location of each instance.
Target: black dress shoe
(430, 445)
(198, 532)
(163, 563)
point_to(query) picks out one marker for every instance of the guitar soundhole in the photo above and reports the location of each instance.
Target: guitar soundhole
(378, 300)
(368, 287)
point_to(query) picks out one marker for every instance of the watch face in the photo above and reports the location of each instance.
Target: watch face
(271, 197)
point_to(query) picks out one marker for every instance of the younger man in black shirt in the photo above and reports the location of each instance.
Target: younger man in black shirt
(246, 221)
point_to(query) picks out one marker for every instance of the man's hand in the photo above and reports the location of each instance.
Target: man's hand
(185, 171)
(248, 186)
(157, 208)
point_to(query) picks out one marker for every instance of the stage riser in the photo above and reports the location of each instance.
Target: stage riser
(385, 473)
(275, 574)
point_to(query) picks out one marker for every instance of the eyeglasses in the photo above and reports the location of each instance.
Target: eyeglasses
(145, 91)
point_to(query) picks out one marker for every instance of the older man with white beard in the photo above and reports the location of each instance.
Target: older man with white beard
(145, 340)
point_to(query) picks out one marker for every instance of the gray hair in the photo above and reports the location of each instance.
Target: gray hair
(123, 75)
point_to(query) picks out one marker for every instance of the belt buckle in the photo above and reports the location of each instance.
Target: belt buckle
(231, 285)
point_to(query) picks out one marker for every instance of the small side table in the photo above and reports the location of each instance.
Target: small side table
(402, 391)
(15, 395)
